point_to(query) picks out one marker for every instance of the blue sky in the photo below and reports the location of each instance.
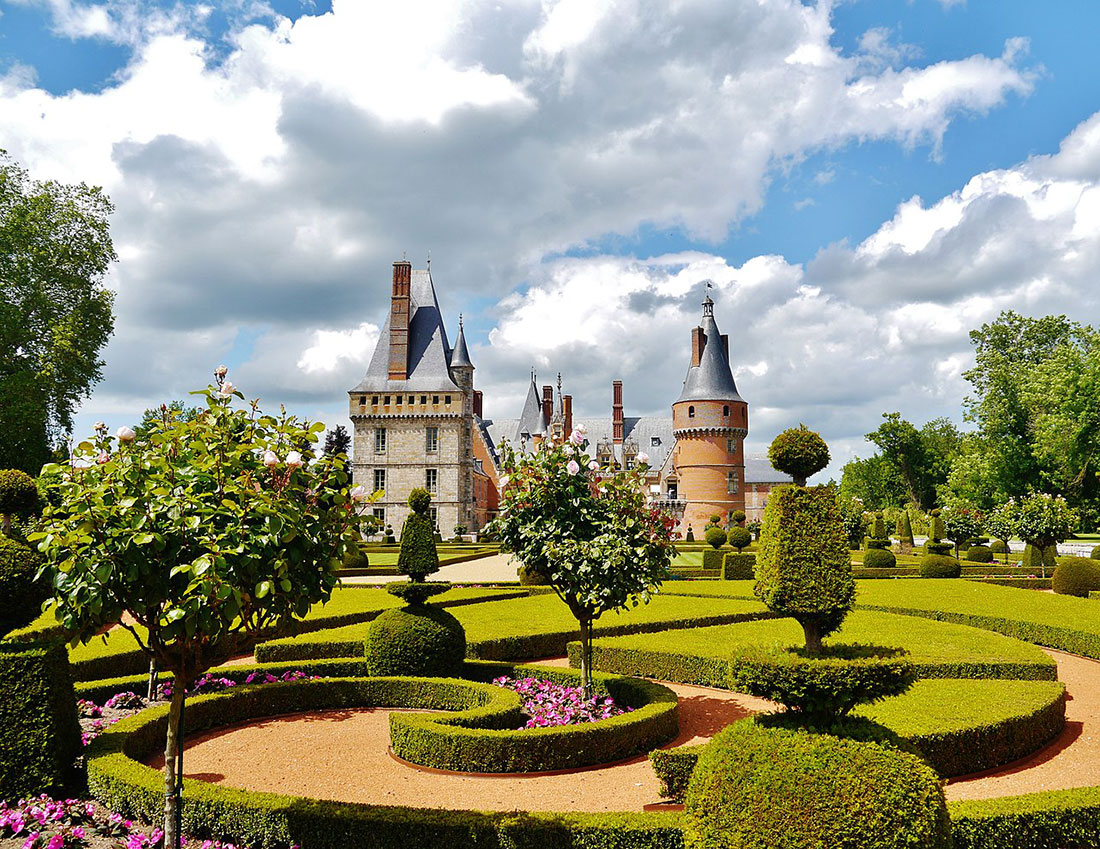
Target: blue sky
(576, 169)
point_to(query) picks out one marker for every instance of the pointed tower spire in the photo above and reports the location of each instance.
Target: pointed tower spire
(460, 354)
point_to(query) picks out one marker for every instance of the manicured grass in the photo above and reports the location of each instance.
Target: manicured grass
(931, 644)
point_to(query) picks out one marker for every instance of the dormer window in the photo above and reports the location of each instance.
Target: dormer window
(654, 441)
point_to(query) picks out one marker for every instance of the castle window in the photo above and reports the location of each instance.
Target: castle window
(672, 492)
(691, 412)
(374, 400)
(379, 440)
(447, 400)
(386, 400)
(423, 399)
(362, 400)
(412, 399)
(726, 410)
(380, 514)
(431, 480)
(434, 513)
(654, 441)
(431, 439)
(732, 484)
(731, 445)
(435, 399)
(379, 479)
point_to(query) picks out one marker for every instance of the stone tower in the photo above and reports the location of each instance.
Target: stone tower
(710, 421)
(413, 412)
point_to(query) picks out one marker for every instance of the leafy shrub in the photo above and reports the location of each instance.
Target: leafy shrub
(18, 496)
(21, 596)
(1076, 576)
(753, 528)
(421, 640)
(878, 538)
(531, 577)
(758, 787)
(938, 547)
(418, 557)
(737, 516)
(939, 566)
(739, 538)
(803, 567)
(798, 452)
(738, 567)
(1036, 559)
(715, 537)
(879, 558)
(979, 554)
(822, 686)
(1095, 553)
(999, 546)
(712, 559)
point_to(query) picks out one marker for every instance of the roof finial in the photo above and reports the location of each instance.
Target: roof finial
(404, 256)
(533, 378)
(430, 264)
(708, 304)
(460, 314)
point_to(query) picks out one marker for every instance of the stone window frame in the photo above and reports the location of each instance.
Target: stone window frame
(379, 440)
(431, 439)
(379, 476)
(431, 481)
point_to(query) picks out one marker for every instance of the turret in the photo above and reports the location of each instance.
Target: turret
(462, 369)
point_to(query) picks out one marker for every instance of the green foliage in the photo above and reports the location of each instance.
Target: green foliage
(738, 567)
(880, 527)
(803, 568)
(1076, 576)
(713, 521)
(737, 516)
(602, 546)
(39, 734)
(855, 520)
(713, 559)
(122, 783)
(979, 554)
(999, 546)
(417, 593)
(879, 558)
(758, 787)
(21, 596)
(419, 557)
(1043, 519)
(920, 458)
(55, 312)
(155, 418)
(874, 482)
(18, 496)
(715, 536)
(798, 452)
(420, 500)
(1038, 560)
(420, 640)
(1095, 553)
(1053, 818)
(824, 685)
(388, 537)
(939, 566)
(937, 531)
(962, 522)
(905, 532)
(531, 578)
(739, 538)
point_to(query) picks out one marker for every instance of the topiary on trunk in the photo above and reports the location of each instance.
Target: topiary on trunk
(878, 539)
(739, 538)
(715, 537)
(418, 557)
(799, 452)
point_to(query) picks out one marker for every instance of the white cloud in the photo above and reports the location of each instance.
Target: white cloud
(331, 349)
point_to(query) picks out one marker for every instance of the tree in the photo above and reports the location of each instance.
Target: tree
(55, 313)
(1044, 520)
(962, 521)
(799, 452)
(854, 519)
(921, 458)
(1001, 523)
(198, 540)
(154, 417)
(875, 482)
(338, 441)
(590, 532)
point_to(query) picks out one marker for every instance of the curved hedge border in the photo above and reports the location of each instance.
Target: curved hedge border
(270, 821)
(1049, 820)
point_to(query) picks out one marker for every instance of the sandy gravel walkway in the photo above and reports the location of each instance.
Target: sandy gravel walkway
(342, 754)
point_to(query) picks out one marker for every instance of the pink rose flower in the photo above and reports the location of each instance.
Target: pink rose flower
(221, 371)
(573, 467)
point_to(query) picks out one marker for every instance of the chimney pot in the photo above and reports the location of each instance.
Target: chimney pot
(617, 411)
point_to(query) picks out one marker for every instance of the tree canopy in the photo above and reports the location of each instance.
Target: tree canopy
(55, 313)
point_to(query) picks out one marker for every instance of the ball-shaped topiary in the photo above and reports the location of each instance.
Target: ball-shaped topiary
(18, 496)
(21, 596)
(999, 546)
(715, 537)
(418, 557)
(739, 538)
(760, 787)
(879, 558)
(1095, 553)
(737, 516)
(415, 640)
(979, 554)
(799, 452)
(1076, 576)
(939, 566)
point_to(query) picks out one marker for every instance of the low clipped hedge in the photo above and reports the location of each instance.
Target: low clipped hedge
(879, 558)
(738, 567)
(939, 566)
(1056, 818)
(1076, 576)
(39, 732)
(712, 560)
(1018, 583)
(860, 573)
(118, 779)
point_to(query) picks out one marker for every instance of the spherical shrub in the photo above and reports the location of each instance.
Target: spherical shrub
(879, 558)
(21, 596)
(739, 538)
(979, 554)
(417, 640)
(18, 493)
(420, 500)
(737, 516)
(1076, 576)
(939, 566)
(999, 546)
(799, 452)
(760, 787)
(825, 685)
(715, 537)
(1095, 553)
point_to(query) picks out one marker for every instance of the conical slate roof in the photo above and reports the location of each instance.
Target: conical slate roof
(530, 420)
(712, 379)
(460, 356)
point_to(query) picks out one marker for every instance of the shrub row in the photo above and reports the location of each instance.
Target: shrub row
(738, 567)
(1049, 820)
(951, 753)
(1018, 583)
(269, 821)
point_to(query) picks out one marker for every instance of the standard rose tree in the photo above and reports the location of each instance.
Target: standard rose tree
(589, 531)
(197, 539)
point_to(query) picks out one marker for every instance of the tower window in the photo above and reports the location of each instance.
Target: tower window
(691, 412)
(732, 484)
(379, 479)
(362, 400)
(431, 439)
(379, 440)
(423, 399)
(726, 410)
(731, 445)
(435, 399)
(431, 480)
(447, 400)
(386, 400)
(374, 399)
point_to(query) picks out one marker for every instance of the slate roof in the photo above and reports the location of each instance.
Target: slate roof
(429, 352)
(460, 355)
(759, 470)
(712, 379)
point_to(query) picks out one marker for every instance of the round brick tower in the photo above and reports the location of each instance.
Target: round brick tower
(710, 421)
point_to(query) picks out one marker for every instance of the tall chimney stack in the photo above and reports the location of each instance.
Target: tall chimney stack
(477, 404)
(698, 341)
(399, 321)
(547, 406)
(567, 412)
(617, 411)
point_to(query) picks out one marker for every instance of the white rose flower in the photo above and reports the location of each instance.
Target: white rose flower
(270, 459)
(294, 459)
(125, 434)
(360, 493)
(642, 457)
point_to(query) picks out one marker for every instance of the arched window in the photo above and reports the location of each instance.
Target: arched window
(691, 412)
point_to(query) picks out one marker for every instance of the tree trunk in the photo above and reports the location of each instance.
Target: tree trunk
(812, 629)
(5, 523)
(173, 760)
(151, 690)
(586, 656)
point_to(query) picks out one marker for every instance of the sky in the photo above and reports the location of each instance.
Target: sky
(864, 182)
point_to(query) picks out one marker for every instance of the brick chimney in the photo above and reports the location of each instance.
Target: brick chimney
(697, 343)
(399, 321)
(547, 406)
(477, 404)
(726, 345)
(567, 412)
(617, 411)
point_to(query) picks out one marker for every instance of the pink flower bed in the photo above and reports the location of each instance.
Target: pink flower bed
(549, 704)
